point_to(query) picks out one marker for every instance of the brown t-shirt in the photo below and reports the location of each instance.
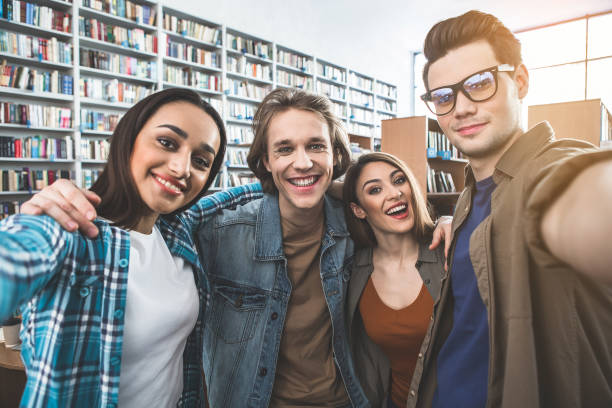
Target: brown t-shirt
(305, 372)
(399, 333)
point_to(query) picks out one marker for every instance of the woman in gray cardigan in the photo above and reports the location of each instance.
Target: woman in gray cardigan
(395, 281)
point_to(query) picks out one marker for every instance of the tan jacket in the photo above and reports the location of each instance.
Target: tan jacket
(371, 364)
(550, 328)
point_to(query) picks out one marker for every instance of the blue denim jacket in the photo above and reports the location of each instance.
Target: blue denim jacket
(242, 252)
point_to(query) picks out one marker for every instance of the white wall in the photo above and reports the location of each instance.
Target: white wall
(369, 36)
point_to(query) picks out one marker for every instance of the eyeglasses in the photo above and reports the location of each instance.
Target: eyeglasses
(478, 87)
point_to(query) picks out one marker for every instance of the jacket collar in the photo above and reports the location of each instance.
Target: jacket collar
(364, 256)
(268, 232)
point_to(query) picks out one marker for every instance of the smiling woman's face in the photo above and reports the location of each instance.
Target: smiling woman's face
(172, 156)
(385, 199)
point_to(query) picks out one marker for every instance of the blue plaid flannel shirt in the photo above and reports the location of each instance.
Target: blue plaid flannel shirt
(72, 293)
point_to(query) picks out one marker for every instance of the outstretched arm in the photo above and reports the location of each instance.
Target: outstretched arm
(210, 204)
(577, 226)
(33, 250)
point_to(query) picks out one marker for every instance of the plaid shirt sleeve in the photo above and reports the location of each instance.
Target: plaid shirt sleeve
(208, 205)
(32, 252)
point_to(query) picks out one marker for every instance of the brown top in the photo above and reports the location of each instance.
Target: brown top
(549, 325)
(305, 372)
(399, 333)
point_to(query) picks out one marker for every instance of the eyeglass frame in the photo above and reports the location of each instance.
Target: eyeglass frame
(426, 97)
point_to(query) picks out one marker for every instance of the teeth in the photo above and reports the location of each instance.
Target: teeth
(303, 182)
(397, 209)
(168, 184)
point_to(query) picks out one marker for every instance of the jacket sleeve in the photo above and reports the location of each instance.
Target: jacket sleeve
(32, 251)
(208, 205)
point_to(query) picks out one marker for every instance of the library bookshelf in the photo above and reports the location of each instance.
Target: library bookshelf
(421, 144)
(587, 120)
(99, 57)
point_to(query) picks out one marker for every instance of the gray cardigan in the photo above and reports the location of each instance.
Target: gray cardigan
(371, 364)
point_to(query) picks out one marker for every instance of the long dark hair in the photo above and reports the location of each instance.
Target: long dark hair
(121, 202)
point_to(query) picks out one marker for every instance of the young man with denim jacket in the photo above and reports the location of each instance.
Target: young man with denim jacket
(275, 333)
(524, 317)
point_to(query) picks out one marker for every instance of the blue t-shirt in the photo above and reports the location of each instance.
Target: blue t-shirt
(463, 362)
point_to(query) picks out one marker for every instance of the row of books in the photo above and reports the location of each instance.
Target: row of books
(331, 90)
(189, 77)
(439, 182)
(28, 179)
(339, 109)
(293, 80)
(240, 65)
(297, 61)
(112, 90)
(135, 38)
(94, 149)
(190, 53)
(42, 49)
(215, 103)
(246, 89)
(35, 115)
(236, 157)
(358, 81)
(361, 98)
(248, 46)
(99, 121)
(33, 14)
(357, 150)
(362, 115)
(239, 134)
(385, 105)
(9, 208)
(386, 90)
(233, 179)
(438, 145)
(138, 13)
(89, 177)
(360, 130)
(36, 147)
(330, 72)
(192, 29)
(23, 77)
(241, 111)
(120, 64)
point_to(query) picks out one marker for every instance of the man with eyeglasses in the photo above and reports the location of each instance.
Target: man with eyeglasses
(525, 315)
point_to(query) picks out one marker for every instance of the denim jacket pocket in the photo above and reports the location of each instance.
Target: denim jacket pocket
(239, 309)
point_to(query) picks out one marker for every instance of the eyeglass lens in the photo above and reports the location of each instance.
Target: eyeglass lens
(478, 87)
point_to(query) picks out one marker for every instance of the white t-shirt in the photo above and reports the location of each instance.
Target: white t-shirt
(161, 310)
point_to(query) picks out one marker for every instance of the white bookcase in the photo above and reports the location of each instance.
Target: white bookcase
(231, 69)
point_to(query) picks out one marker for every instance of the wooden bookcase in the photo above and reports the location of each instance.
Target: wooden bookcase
(406, 138)
(587, 120)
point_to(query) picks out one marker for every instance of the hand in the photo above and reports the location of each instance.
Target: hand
(70, 206)
(444, 232)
